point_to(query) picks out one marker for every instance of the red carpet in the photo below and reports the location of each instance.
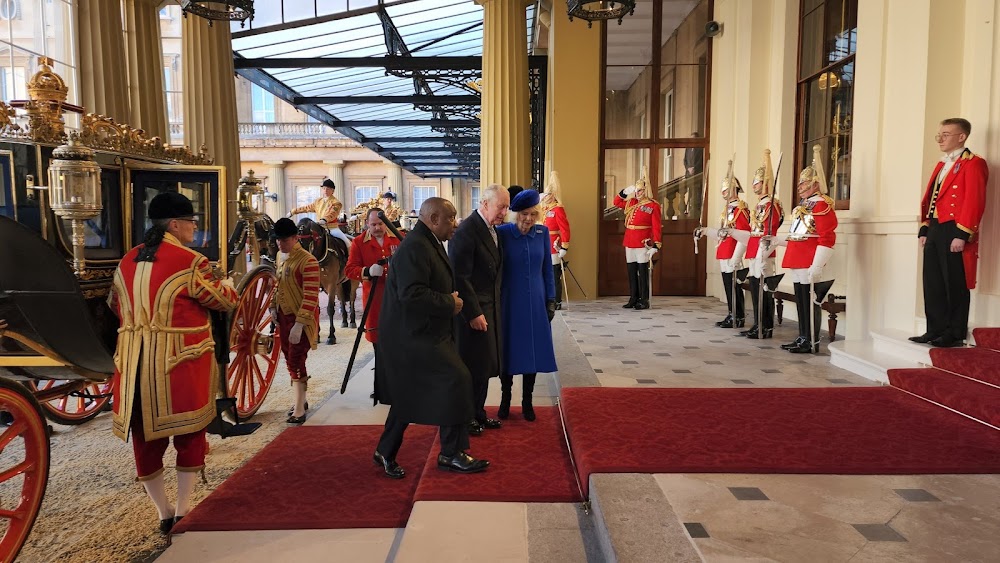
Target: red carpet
(987, 337)
(529, 463)
(315, 477)
(977, 363)
(832, 431)
(967, 396)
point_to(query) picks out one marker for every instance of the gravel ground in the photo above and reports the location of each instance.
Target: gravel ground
(95, 510)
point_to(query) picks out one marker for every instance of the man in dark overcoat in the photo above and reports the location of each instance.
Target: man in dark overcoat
(477, 259)
(424, 379)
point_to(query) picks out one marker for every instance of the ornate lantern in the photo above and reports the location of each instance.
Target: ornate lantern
(75, 192)
(250, 196)
(595, 11)
(219, 10)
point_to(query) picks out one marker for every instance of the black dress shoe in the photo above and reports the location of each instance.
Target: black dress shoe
(296, 419)
(490, 423)
(391, 468)
(923, 338)
(475, 429)
(764, 333)
(462, 463)
(292, 410)
(166, 525)
(749, 331)
(946, 342)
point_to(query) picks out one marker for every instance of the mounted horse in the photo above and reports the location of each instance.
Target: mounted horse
(331, 252)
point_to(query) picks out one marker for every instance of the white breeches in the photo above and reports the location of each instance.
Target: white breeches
(800, 275)
(640, 255)
(335, 231)
(766, 267)
(726, 268)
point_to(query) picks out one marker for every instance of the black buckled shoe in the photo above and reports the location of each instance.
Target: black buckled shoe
(462, 463)
(291, 411)
(749, 331)
(296, 419)
(475, 429)
(764, 333)
(490, 423)
(804, 347)
(391, 468)
(794, 344)
(726, 322)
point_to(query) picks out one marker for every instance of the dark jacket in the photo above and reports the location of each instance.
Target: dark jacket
(478, 265)
(420, 372)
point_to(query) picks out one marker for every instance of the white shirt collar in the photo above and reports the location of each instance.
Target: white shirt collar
(489, 225)
(953, 155)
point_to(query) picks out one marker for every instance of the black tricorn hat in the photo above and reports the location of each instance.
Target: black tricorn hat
(389, 195)
(170, 205)
(328, 183)
(284, 228)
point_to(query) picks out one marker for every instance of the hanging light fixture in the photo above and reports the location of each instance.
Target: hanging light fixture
(219, 10)
(595, 11)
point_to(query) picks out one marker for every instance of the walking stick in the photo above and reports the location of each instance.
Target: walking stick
(368, 305)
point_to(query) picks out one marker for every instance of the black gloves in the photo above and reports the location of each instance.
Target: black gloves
(550, 309)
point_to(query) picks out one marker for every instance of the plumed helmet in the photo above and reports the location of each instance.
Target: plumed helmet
(765, 174)
(553, 188)
(643, 182)
(170, 205)
(284, 228)
(730, 182)
(814, 172)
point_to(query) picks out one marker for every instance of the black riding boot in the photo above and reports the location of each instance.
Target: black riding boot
(557, 273)
(633, 285)
(803, 297)
(506, 382)
(739, 298)
(798, 310)
(642, 302)
(754, 288)
(528, 387)
(727, 284)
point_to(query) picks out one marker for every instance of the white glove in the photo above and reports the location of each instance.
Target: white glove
(820, 260)
(353, 217)
(650, 251)
(228, 282)
(375, 270)
(736, 263)
(322, 222)
(295, 335)
(779, 240)
(629, 190)
(289, 215)
(562, 253)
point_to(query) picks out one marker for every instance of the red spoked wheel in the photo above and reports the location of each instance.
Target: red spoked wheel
(75, 407)
(24, 466)
(253, 341)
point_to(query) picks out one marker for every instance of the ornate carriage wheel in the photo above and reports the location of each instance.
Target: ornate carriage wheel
(24, 465)
(72, 409)
(254, 347)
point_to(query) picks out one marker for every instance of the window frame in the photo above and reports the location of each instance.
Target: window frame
(266, 112)
(418, 202)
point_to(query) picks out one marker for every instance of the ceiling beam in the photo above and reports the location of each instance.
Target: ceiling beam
(455, 140)
(387, 62)
(467, 100)
(453, 150)
(408, 123)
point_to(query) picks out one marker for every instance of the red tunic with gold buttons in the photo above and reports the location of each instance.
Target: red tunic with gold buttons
(960, 198)
(165, 350)
(642, 221)
(365, 251)
(558, 225)
(814, 223)
(767, 218)
(736, 216)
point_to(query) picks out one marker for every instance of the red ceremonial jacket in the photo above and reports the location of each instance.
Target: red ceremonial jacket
(961, 199)
(767, 218)
(555, 219)
(642, 221)
(814, 217)
(365, 251)
(165, 347)
(736, 216)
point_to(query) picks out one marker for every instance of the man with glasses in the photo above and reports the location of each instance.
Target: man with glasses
(951, 211)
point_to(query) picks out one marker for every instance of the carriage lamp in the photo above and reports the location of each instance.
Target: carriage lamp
(75, 192)
(251, 196)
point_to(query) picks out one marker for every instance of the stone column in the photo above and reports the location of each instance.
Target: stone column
(147, 97)
(336, 174)
(103, 83)
(394, 183)
(276, 185)
(210, 98)
(505, 152)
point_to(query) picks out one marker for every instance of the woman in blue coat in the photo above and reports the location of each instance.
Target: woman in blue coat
(527, 301)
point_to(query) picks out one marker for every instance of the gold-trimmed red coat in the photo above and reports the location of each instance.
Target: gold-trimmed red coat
(555, 219)
(298, 290)
(165, 346)
(366, 251)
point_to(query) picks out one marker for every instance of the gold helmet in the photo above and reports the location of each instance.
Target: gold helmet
(642, 183)
(814, 172)
(765, 174)
(553, 190)
(730, 184)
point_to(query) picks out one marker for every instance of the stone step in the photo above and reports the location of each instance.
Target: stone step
(863, 358)
(896, 343)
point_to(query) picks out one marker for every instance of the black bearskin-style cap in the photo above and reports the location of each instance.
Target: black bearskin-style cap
(284, 228)
(170, 205)
(328, 183)
(514, 190)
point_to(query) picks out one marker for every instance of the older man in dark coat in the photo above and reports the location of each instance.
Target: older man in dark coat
(477, 258)
(424, 379)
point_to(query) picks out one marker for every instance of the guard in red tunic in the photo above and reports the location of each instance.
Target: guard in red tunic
(166, 378)
(730, 250)
(810, 244)
(368, 261)
(642, 238)
(951, 211)
(765, 220)
(296, 308)
(554, 217)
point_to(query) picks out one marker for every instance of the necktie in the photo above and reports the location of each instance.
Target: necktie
(493, 233)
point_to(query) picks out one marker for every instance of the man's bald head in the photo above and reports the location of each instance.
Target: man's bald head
(438, 214)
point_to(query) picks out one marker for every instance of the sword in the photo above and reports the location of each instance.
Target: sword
(576, 281)
(562, 267)
(763, 250)
(701, 205)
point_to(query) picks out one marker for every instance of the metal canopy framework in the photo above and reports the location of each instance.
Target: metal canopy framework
(393, 76)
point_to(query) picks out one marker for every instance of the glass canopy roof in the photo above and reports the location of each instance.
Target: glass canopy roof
(362, 68)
